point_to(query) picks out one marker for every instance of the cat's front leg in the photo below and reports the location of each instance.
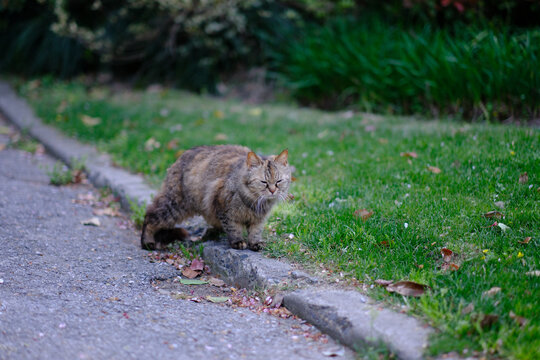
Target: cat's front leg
(255, 241)
(234, 233)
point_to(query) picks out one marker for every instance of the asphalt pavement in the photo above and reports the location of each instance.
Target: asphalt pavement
(73, 291)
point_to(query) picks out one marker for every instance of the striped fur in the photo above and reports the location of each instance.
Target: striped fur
(229, 185)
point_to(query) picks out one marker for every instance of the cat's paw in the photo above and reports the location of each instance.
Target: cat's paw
(148, 245)
(239, 245)
(255, 246)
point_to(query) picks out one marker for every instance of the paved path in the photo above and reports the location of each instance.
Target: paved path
(69, 291)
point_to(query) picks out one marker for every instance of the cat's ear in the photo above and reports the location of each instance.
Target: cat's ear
(253, 160)
(282, 158)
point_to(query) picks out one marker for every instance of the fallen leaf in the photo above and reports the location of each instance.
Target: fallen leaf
(90, 121)
(363, 213)
(434, 169)
(449, 266)
(370, 128)
(493, 214)
(446, 254)
(173, 144)
(180, 296)
(488, 320)
(494, 290)
(383, 282)
(197, 265)
(91, 222)
(193, 282)
(410, 154)
(4, 130)
(217, 299)
(499, 204)
(519, 319)
(523, 178)
(503, 227)
(407, 288)
(526, 240)
(190, 273)
(108, 211)
(334, 352)
(216, 282)
(221, 137)
(467, 309)
(255, 112)
(151, 144)
(533, 273)
(2, 147)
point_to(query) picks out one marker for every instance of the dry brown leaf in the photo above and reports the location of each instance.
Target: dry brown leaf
(410, 154)
(526, 240)
(523, 178)
(197, 265)
(494, 290)
(467, 309)
(91, 222)
(189, 273)
(449, 266)
(221, 137)
(173, 144)
(108, 211)
(90, 121)
(216, 282)
(434, 169)
(363, 213)
(383, 282)
(494, 214)
(488, 320)
(519, 319)
(447, 254)
(407, 288)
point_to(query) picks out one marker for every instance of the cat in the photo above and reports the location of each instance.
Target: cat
(229, 185)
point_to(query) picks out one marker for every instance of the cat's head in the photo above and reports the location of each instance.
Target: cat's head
(268, 178)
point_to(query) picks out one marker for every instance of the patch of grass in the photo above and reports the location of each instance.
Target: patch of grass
(60, 174)
(346, 162)
(137, 211)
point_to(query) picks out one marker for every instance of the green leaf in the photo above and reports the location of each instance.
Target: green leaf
(193, 282)
(217, 299)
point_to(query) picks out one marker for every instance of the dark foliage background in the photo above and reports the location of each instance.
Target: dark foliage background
(192, 43)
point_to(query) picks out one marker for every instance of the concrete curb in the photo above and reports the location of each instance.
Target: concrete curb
(351, 318)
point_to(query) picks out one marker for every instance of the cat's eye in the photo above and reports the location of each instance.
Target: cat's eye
(277, 182)
(264, 182)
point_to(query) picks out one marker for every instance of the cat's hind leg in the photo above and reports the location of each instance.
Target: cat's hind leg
(161, 217)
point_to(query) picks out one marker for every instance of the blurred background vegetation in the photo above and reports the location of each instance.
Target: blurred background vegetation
(475, 59)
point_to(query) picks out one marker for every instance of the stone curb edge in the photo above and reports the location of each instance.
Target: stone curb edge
(347, 316)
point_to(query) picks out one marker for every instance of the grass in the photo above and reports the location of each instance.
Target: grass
(475, 72)
(346, 162)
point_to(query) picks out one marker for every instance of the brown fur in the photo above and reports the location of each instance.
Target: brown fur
(229, 185)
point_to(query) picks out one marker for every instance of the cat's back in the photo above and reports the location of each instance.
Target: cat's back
(212, 158)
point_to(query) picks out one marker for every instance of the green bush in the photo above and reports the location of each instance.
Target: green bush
(392, 68)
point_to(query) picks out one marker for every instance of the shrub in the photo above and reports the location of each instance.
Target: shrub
(373, 64)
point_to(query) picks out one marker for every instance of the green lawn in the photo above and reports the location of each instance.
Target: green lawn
(347, 162)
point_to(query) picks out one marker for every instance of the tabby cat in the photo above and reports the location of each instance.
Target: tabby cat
(230, 186)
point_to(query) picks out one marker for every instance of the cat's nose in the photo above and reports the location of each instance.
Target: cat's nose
(272, 189)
